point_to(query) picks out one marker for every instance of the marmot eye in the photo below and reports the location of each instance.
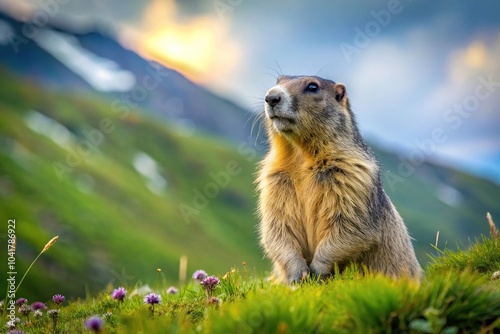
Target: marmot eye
(312, 87)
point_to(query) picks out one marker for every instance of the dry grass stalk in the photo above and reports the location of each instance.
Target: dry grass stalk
(50, 244)
(493, 228)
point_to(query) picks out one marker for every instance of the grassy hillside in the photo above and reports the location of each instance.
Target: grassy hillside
(114, 223)
(435, 198)
(456, 296)
(126, 194)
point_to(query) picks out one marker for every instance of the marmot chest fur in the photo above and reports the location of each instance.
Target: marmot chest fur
(321, 199)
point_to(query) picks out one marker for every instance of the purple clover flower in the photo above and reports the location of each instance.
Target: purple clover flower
(199, 275)
(209, 283)
(21, 301)
(38, 306)
(58, 299)
(94, 323)
(119, 293)
(172, 290)
(152, 298)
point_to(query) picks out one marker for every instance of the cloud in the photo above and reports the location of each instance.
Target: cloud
(390, 81)
(405, 88)
(473, 71)
(199, 46)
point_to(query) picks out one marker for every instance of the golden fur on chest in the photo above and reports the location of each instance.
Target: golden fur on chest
(313, 193)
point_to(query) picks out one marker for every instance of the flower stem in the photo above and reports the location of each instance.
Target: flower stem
(158, 271)
(27, 270)
(46, 248)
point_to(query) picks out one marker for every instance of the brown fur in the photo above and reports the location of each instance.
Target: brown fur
(321, 200)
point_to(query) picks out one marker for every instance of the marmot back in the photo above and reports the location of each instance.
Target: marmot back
(321, 198)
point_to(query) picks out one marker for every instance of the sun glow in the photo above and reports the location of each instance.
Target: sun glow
(476, 54)
(198, 47)
(187, 48)
(479, 57)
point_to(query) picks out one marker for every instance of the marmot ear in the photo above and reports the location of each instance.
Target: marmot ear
(340, 93)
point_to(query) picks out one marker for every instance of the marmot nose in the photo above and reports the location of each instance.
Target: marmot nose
(273, 99)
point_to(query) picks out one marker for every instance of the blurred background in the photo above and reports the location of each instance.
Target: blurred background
(128, 127)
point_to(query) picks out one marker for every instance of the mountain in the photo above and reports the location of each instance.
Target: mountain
(93, 62)
(436, 198)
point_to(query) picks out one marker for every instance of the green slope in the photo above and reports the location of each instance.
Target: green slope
(112, 227)
(435, 198)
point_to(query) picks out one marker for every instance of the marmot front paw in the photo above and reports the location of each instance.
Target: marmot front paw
(319, 269)
(298, 272)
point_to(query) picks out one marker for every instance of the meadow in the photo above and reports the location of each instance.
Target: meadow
(460, 293)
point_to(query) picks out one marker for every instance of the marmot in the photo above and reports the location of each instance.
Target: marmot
(321, 199)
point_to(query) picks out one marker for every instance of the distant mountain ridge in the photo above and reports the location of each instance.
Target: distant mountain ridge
(174, 99)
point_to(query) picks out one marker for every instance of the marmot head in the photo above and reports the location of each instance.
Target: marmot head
(308, 108)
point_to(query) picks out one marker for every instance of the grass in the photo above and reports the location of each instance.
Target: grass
(457, 295)
(483, 256)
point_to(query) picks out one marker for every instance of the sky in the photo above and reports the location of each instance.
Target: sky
(423, 77)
